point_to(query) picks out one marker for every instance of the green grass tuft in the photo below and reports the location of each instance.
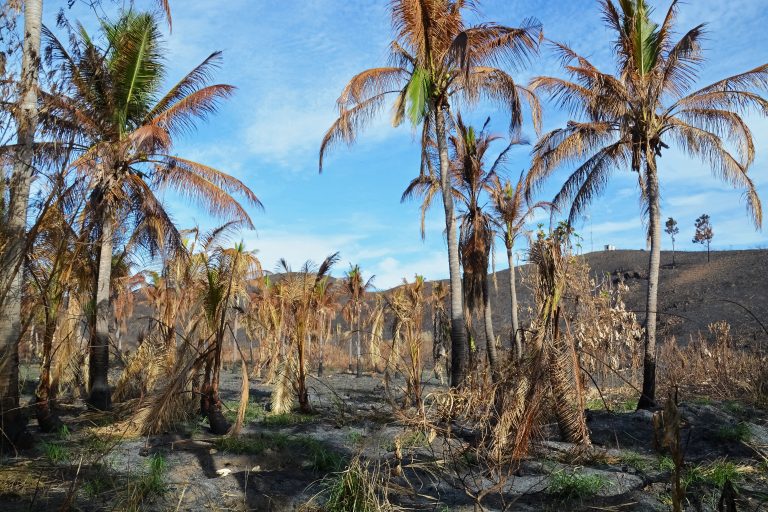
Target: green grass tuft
(574, 485)
(56, 452)
(634, 460)
(287, 419)
(352, 490)
(322, 459)
(715, 473)
(148, 486)
(253, 412)
(734, 433)
(666, 464)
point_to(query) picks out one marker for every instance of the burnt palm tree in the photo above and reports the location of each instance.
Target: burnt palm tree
(56, 266)
(125, 128)
(356, 287)
(626, 119)
(225, 274)
(512, 211)
(326, 295)
(437, 59)
(300, 295)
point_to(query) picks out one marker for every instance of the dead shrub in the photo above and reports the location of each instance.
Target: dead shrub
(714, 367)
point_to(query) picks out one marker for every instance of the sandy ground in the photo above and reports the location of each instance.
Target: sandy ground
(283, 463)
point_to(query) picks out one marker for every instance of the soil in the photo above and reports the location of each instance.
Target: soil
(287, 462)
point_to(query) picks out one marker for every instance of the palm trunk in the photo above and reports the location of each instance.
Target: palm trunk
(217, 422)
(517, 343)
(351, 327)
(359, 369)
(47, 418)
(490, 338)
(98, 385)
(648, 398)
(12, 421)
(459, 344)
(301, 378)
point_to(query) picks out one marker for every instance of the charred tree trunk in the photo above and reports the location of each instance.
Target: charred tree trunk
(517, 344)
(45, 406)
(358, 354)
(490, 338)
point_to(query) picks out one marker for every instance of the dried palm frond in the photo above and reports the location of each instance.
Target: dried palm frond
(282, 398)
(168, 404)
(67, 370)
(141, 372)
(243, 404)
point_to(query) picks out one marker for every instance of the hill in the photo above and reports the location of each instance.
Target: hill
(692, 294)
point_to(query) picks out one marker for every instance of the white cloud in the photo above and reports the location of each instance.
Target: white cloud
(390, 271)
(296, 247)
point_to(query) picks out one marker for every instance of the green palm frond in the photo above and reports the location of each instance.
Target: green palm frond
(135, 64)
(418, 95)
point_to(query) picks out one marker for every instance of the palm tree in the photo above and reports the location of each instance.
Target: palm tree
(12, 421)
(226, 272)
(437, 59)
(327, 307)
(301, 294)
(356, 287)
(55, 266)
(629, 118)
(125, 129)
(476, 226)
(406, 302)
(512, 212)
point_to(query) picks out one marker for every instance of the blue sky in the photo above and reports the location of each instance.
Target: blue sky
(291, 59)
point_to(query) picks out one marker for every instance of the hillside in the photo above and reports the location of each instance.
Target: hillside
(692, 295)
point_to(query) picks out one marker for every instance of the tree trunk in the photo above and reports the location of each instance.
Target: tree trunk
(47, 419)
(216, 420)
(673, 253)
(459, 343)
(359, 369)
(301, 378)
(517, 344)
(648, 397)
(351, 327)
(12, 420)
(490, 338)
(98, 385)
